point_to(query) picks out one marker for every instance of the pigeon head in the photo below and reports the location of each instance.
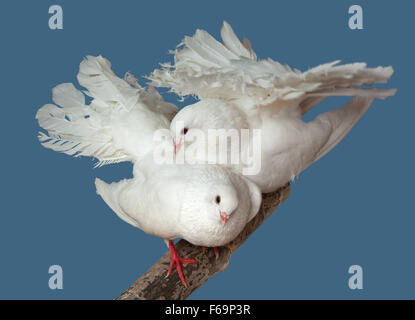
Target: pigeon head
(212, 197)
(218, 205)
(224, 198)
(193, 124)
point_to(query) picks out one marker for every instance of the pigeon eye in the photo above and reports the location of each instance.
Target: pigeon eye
(217, 199)
(184, 131)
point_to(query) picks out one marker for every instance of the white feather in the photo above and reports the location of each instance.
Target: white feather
(117, 125)
(178, 201)
(208, 69)
(231, 41)
(244, 93)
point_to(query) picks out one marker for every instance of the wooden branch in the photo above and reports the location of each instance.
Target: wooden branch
(153, 285)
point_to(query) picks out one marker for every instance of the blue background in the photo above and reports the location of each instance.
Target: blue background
(355, 206)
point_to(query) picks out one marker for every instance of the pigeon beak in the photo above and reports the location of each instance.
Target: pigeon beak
(177, 147)
(224, 218)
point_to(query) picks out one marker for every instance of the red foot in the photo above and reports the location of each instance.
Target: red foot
(176, 260)
(216, 252)
(215, 249)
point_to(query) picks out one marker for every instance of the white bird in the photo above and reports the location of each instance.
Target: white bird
(204, 204)
(237, 91)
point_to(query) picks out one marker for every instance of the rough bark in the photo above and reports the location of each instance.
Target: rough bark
(153, 285)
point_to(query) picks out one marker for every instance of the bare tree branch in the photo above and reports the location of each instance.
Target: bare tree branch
(153, 285)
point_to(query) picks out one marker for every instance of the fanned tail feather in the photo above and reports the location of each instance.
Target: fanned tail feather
(77, 129)
(104, 85)
(209, 69)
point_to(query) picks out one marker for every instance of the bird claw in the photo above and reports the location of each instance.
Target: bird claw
(216, 252)
(187, 261)
(176, 260)
(215, 249)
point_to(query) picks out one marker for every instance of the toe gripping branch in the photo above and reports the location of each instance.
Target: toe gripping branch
(176, 260)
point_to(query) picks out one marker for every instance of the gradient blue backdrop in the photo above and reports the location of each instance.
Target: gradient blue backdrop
(355, 206)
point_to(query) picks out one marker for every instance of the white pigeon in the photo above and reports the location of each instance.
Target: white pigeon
(237, 91)
(206, 205)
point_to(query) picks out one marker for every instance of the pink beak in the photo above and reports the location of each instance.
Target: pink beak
(224, 218)
(177, 147)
